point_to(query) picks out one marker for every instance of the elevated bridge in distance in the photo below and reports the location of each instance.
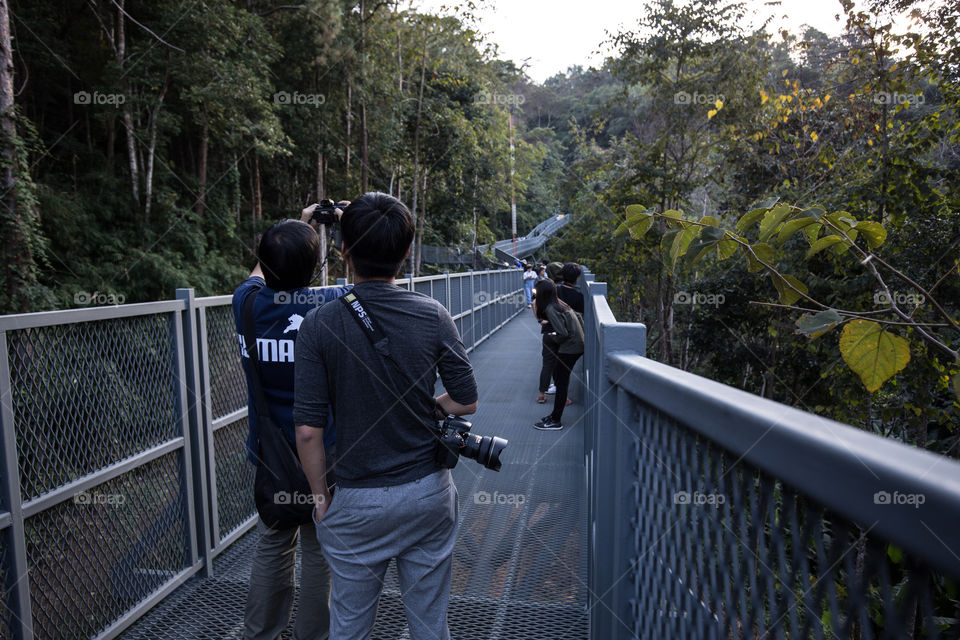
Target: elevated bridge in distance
(502, 250)
(670, 506)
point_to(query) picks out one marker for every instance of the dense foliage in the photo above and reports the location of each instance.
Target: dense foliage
(151, 141)
(698, 123)
(169, 133)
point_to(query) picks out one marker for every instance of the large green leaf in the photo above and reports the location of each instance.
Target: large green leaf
(788, 294)
(708, 238)
(772, 219)
(823, 243)
(793, 226)
(817, 324)
(873, 353)
(638, 221)
(726, 248)
(873, 232)
(680, 243)
(763, 252)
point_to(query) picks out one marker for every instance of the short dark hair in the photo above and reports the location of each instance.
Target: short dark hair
(570, 272)
(288, 254)
(377, 231)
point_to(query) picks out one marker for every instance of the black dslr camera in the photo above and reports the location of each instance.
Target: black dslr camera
(456, 440)
(323, 213)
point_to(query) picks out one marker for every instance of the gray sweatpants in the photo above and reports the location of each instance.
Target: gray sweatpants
(416, 523)
(270, 597)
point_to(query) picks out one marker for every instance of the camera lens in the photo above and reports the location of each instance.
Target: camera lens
(484, 449)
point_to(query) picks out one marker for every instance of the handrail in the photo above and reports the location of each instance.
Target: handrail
(717, 513)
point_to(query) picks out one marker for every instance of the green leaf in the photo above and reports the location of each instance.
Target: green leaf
(763, 252)
(792, 227)
(813, 212)
(894, 553)
(666, 242)
(674, 218)
(769, 202)
(726, 248)
(787, 294)
(709, 236)
(872, 353)
(812, 232)
(823, 243)
(817, 324)
(680, 243)
(638, 221)
(710, 221)
(873, 232)
(749, 218)
(772, 219)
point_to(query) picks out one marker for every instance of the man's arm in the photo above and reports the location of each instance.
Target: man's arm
(314, 462)
(310, 409)
(449, 405)
(455, 370)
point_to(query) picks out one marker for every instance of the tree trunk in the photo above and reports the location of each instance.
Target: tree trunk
(202, 177)
(127, 117)
(346, 168)
(154, 116)
(416, 143)
(322, 231)
(18, 264)
(363, 147)
(257, 192)
(420, 222)
(363, 102)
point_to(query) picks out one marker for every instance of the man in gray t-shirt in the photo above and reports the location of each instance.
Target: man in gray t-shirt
(393, 500)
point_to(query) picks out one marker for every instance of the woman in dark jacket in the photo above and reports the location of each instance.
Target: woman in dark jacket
(568, 334)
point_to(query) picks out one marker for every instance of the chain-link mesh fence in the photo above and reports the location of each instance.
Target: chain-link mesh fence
(724, 550)
(110, 494)
(89, 394)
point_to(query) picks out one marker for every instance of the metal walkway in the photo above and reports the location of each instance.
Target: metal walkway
(520, 570)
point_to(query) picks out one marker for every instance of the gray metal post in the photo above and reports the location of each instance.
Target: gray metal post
(473, 312)
(17, 584)
(197, 428)
(446, 275)
(604, 444)
(410, 281)
(178, 347)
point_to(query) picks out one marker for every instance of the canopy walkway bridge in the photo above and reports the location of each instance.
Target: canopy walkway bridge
(669, 507)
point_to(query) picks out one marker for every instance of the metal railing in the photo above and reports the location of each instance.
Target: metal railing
(714, 513)
(124, 466)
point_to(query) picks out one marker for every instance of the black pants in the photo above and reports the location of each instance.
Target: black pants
(561, 378)
(549, 353)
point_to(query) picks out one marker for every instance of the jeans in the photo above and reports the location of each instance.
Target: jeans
(270, 597)
(561, 377)
(364, 528)
(528, 287)
(549, 353)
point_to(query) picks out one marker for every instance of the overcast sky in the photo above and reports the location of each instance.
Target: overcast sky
(551, 35)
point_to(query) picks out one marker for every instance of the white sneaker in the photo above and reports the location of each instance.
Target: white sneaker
(552, 389)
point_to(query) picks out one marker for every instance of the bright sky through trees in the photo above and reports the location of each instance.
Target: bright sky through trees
(551, 35)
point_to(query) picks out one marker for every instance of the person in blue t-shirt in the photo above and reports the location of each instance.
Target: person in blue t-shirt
(286, 260)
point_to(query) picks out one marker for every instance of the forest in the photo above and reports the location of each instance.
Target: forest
(767, 203)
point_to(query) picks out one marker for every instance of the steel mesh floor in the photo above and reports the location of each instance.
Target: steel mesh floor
(520, 571)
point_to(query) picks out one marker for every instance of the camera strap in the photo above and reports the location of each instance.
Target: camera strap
(381, 344)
